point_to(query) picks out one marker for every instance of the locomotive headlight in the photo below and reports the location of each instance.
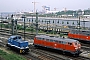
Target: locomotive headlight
(76, 48)
(87, 37)
(79, 47)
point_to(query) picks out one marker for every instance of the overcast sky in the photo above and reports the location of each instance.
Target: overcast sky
(27, 5)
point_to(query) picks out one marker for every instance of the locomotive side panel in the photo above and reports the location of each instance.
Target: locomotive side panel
(43, 42)
(69, 47)
(70, 35)
(80, 35)
(62, 44)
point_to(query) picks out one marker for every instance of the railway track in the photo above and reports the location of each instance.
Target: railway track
(45, 55)
(78, 58)
(57, 55)
(40, 54)
(8, 33)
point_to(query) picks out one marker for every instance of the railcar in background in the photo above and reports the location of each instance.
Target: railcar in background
(16, 43)
(63, 44)
(79, 35)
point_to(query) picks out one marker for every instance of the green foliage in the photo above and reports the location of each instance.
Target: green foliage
(30, 29)
(19, 27)
(51, 32)
(11, 56)
(69, 12)
(40, 31)
(61, 34)
(5, 25)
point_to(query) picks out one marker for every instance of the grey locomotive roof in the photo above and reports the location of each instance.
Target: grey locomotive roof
(86, 32)
(57, 39)
(14, 36)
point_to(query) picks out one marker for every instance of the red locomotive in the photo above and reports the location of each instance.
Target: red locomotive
(80, 35)
(63, 44)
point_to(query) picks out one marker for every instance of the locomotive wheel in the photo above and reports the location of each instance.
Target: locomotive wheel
(63, 52)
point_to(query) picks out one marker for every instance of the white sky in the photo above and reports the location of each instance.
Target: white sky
(26, 5)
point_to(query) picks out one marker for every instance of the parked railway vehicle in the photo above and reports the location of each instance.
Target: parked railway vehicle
(16, 43)
(63, 44)
(80, 35)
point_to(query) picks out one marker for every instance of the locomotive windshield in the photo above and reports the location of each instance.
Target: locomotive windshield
(77, 42)
(19, 37)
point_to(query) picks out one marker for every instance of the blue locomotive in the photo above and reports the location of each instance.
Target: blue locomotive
(16, 43)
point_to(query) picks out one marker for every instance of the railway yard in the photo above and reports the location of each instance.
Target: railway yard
(53, 33)
(36, 53)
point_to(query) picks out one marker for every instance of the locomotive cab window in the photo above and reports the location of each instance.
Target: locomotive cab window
(70, 44)
(38, 38)
(47, 39)
(56, 41)
(14, 38)
(60, 42)
(43, 38)
(63, 42)
(87, 34)
(19, 37)
(51, 40)
(76, 43)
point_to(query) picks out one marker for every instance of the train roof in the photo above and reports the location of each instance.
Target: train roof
(18, 40)
(13, 36)
(84, 32)
(21, 41)
(57, 39)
